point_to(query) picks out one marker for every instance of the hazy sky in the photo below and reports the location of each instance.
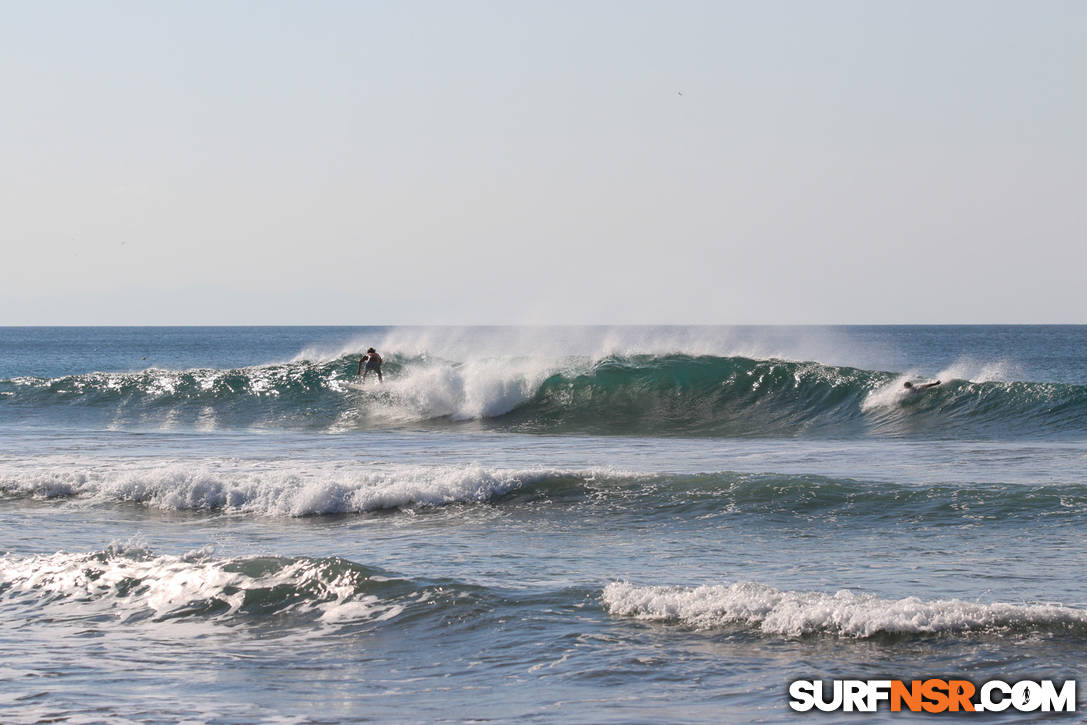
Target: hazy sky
(563, 162)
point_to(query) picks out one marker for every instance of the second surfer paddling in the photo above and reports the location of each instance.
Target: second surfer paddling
(373, 362)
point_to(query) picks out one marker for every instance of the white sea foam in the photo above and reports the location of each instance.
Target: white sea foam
(480, 388)
(845, 613)
(894, 393)
(129, 581)
(268, 488)
(886, 396)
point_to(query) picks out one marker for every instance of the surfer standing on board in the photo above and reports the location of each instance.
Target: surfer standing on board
(910, 387)
(373, 362)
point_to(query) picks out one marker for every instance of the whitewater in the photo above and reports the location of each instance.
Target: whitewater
(544, 524)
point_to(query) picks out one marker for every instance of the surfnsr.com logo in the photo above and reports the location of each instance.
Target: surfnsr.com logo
(932, 695)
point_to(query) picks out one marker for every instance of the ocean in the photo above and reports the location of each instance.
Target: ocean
(548, 525)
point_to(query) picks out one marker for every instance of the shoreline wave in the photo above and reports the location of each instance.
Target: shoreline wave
(130, 583)
(844, 614)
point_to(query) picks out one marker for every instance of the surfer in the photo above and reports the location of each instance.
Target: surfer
(373, 362)
(910, 387)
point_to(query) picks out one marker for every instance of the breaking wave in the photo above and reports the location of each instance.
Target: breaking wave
(299, 488)
(130, 583)
(268, 491)
(633, 395)
(846, 614)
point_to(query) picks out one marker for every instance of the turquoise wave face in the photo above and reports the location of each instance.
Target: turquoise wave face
(737, 396)
(671, 395)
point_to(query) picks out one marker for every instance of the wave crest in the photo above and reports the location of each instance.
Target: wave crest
(846, 614)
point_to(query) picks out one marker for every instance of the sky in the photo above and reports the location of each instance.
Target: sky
(553, 162)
